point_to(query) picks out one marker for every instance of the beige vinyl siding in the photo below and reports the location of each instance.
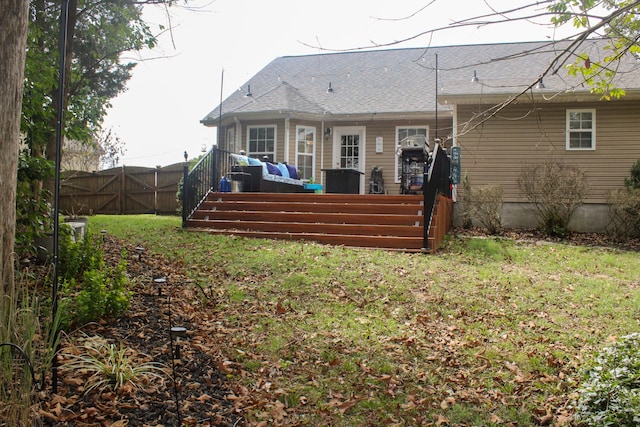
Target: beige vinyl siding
(495, 152)
(386, 159)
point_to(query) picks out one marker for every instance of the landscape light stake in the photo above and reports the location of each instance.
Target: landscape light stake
(159, 281)
(140, 251)
(104, 235)
(178, 332)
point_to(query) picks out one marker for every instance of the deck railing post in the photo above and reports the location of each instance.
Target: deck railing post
(185, 190)
(436, 180)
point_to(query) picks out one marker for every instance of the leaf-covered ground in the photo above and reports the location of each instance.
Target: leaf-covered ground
(482, 334)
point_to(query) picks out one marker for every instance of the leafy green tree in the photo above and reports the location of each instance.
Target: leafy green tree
(618, 20)
(98, 33)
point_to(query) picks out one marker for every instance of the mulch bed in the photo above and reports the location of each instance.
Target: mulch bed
(196, 397)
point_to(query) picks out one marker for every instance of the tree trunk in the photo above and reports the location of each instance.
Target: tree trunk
(13, 44)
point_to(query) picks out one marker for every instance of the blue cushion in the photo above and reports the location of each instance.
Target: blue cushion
(273, 169)
(293, 172)
(283, 170)
(240, 159)
(256, 162)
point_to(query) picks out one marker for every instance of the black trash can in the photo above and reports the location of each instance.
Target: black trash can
(343, 181)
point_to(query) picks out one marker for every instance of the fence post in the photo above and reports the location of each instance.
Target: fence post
(185, 189)
(121, 191)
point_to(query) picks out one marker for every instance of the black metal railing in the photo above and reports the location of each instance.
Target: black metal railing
(202, 179)
(437, 180)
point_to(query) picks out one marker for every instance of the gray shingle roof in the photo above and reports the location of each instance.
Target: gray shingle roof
(403, 80)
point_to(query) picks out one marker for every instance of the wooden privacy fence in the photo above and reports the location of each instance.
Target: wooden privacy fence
(122, 190)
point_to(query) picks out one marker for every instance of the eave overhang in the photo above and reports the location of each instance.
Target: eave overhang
(232, 117)
(537, 96)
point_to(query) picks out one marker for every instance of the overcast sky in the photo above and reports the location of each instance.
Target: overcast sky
(158, 118)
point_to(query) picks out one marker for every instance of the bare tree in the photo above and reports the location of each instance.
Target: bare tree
(13, 42)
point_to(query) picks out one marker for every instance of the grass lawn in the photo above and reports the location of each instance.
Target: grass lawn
(489, 331)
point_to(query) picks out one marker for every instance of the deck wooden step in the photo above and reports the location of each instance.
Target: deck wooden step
(308, 217)
(355, 206)
(374, 221)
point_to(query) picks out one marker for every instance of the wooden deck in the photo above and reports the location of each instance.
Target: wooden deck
(376, 221)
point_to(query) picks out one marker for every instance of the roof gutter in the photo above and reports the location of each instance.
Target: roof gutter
(282, 114)
(547, 96)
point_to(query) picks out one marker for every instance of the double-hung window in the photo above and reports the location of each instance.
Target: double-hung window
(401, 133)
(261, 141)
(232, 144)
(581, 130)
(305, 151)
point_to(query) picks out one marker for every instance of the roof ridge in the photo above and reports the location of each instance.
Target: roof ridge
(328, 52)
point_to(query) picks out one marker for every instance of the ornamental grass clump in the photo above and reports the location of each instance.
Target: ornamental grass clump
(104, 365)
(610, 390)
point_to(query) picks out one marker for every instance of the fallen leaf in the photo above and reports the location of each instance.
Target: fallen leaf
(442, 420)
(203, 398)
(446, 403)
(345, 406)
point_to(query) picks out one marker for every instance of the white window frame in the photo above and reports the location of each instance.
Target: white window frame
(260, 154)
(397, 178)
(313, 131)
(231, 142)
(592, 130)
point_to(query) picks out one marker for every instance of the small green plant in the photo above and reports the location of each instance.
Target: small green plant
(107, 366)
(633, 181)
(92, 289)
(610, 390)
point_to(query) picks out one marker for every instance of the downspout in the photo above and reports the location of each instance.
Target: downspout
(454, 189)
(321, 181)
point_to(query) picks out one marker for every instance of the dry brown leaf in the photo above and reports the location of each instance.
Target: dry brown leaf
(447, 402)
(203, 398)
(495, 419)
(442, 420)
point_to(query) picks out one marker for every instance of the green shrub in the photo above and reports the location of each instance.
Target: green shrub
(556, 189)
(33, 211)
(465, 203)
(633, 181)
(610, 390)
(624, 207)
(486, 207)
(91, 289)
(624, 213)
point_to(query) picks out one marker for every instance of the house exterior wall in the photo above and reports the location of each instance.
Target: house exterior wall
(386, 129)
(496, 151)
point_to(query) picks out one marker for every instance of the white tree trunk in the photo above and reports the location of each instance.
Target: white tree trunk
(13, 44)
